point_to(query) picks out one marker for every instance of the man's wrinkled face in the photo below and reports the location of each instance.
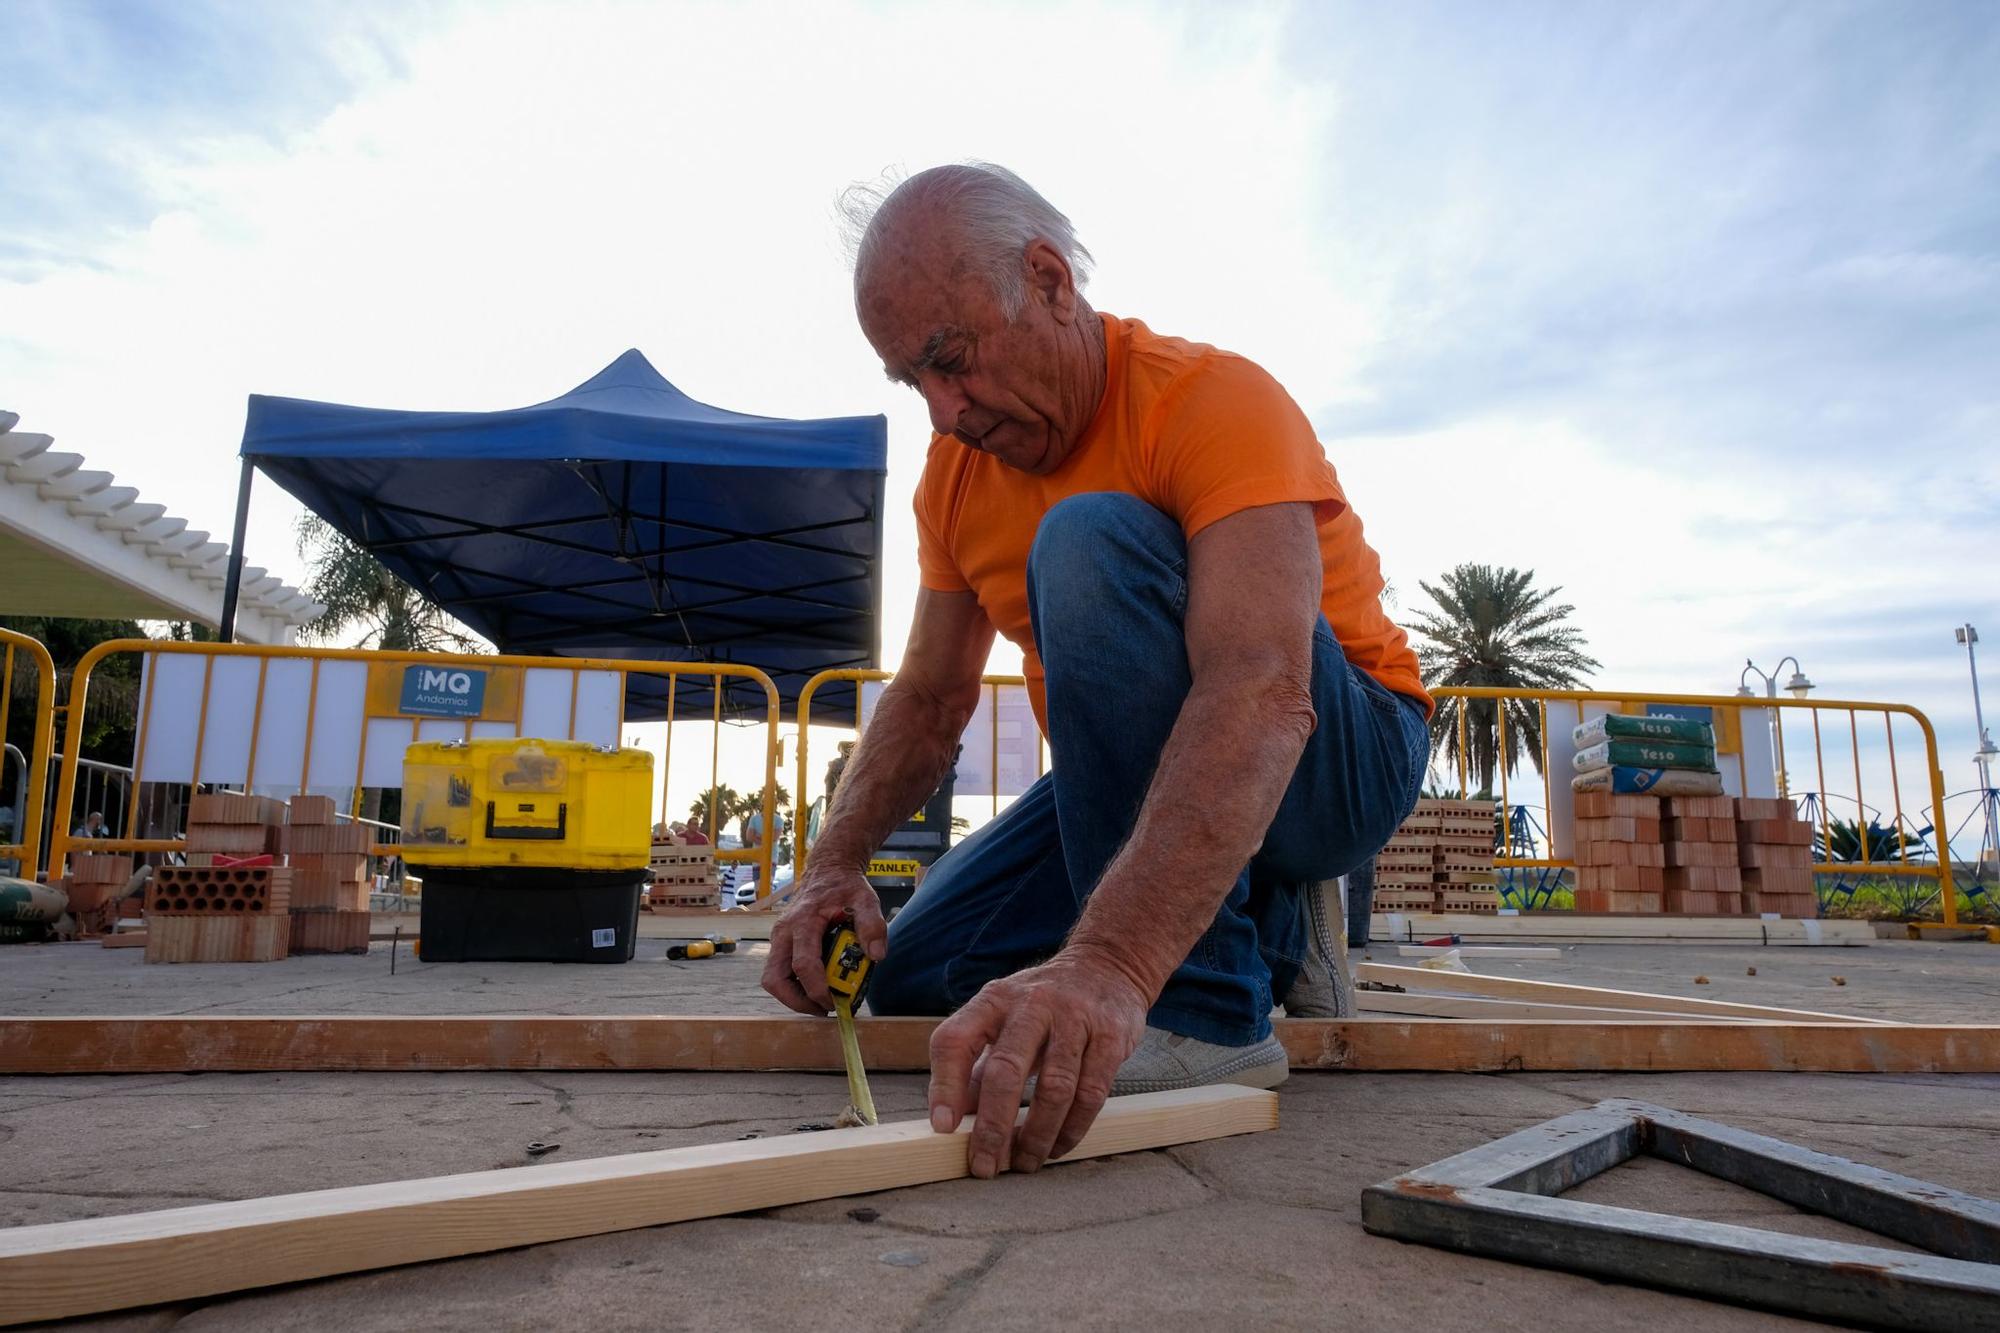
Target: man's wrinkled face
(993, 382)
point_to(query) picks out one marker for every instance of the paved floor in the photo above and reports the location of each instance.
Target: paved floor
(1262, 1230)
(1914, 981)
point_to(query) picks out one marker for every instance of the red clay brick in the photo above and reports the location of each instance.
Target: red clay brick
(1618, 828)
(1763, 857)
(1701, 853)
(1615, 805)
(1621, 879)
(1611, 900)
(1702, 807)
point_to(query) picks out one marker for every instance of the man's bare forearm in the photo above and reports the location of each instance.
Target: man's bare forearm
(900, 761)
(1225, 768)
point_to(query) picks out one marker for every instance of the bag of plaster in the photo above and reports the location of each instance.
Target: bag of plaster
(1624, 779)
(1631, 727)
(1645, 754)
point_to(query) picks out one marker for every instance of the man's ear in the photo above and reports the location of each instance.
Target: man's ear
(1050, 281)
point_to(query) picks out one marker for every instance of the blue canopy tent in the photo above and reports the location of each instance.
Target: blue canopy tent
(623, 519)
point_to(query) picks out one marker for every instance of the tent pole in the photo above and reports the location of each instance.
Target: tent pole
(875, 582)
(226, 630)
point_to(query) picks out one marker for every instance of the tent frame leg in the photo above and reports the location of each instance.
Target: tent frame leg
(233, 586)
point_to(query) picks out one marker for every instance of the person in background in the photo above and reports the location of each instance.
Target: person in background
(93, 826)
(691, 831)
(751, 829)
(835, 767)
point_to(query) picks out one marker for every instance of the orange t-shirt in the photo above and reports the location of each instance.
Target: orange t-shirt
(1197, 433)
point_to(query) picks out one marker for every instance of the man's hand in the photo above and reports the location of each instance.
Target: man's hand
(796, 970)
(1070, 1022)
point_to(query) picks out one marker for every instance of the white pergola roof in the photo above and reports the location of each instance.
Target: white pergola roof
(74, 544)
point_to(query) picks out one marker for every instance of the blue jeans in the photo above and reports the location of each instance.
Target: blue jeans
(1107, 592)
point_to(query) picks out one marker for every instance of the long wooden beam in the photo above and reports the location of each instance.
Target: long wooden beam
(112, 1263)
(1415, 1004)
(234, 1043)
(1384, 1044)
(1556, 992)
(1415, 927)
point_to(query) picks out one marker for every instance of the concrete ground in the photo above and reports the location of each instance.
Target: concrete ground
(1263, 1229)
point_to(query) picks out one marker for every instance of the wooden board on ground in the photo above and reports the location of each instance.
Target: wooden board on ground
(552, 1042)
(1555, 992)
(112, 1263)
(1663, 1045)
(1479, 950)
(1409, 928)
(1479, 1008)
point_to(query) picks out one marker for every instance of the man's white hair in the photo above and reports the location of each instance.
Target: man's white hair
(998, 214)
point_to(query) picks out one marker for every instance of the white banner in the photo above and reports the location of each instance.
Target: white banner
(1019, 753)
(177, 731)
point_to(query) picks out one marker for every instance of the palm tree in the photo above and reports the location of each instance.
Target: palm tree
(1492, 627)
(731, 805)
(359, 593)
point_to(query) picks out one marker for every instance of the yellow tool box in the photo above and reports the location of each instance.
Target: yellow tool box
(531, 850)
(562, 804)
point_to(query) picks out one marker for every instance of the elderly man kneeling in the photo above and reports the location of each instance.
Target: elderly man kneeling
(1233, 718)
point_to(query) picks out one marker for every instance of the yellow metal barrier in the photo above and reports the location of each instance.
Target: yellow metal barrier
(62, 843)
(1814, 710)
(28, 844)
(811, 687)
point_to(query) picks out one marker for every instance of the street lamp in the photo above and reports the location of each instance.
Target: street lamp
(1798, 687)
(1986, 753)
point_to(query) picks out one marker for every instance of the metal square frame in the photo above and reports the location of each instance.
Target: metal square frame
(1499, 1201)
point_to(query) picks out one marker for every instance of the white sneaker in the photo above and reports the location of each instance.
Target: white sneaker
(1324, 987)
(1167, 1061)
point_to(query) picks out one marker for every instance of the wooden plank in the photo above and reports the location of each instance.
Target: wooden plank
(125, 939)
(236, 1043)
(1478, 950)
(1662, 1045)
(1412, 926)
(1554, 992)
(1480, 1008)
(113, 1263)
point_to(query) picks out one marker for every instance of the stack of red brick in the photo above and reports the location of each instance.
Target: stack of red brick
(330, 880)
(1441, 859)
(1405, 869)
(1776, 848)
(682, 876)
(1692, 856)
(262, 882)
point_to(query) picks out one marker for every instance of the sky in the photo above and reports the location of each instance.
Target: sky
(1694, 309)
